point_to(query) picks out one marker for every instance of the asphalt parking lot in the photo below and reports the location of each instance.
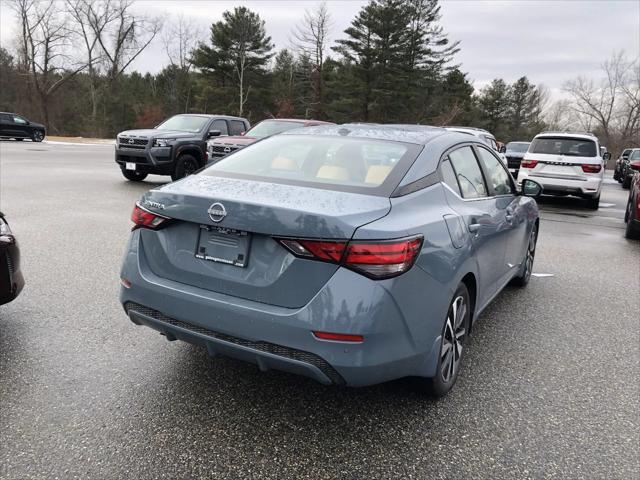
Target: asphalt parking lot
(549, 389)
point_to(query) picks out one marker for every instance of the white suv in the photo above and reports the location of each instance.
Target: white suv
(484, 135)
(566, 163)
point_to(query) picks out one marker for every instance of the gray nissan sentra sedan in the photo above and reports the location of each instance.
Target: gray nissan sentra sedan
(352, 254)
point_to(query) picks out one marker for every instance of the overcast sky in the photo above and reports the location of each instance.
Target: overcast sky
(548, 41)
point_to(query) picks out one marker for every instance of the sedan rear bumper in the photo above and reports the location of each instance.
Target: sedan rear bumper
(397, 343)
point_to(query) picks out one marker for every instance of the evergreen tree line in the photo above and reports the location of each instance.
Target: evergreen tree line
(393, 64)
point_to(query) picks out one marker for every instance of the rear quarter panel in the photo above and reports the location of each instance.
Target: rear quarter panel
(424, 304)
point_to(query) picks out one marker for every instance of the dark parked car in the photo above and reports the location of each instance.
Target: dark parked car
(632, 214)
(11, 280)
(219, 148)
(176, 147)
(619, 162)
(514, 152)
(352, 254)
(17, 127)
(629, 167)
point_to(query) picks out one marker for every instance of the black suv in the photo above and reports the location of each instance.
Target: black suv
(176, 147)
(19, 128)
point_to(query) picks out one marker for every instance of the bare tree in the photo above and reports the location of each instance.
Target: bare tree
(612, 105)
(44, 41)
(180, 38)
(122, 36)
(311, 38)
(91, 19)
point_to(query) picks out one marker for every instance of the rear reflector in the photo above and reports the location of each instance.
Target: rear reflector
(375, 259)
(144, 218)
(338, 337)
(528, 163)
(589, 168)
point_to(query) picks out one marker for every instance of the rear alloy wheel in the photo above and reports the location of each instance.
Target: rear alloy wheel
(185, 166)
(37, 135)
(527, 264)
(454, 334)
(133, 175)
(593, 203)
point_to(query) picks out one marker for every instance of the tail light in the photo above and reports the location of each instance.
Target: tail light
(589, 168)
(375, 259)
(145, 219)
(528, 163)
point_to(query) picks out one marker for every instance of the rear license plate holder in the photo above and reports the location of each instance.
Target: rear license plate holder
(130, 166)
(223, 245)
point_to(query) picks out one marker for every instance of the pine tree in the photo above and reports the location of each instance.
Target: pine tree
(239, 52)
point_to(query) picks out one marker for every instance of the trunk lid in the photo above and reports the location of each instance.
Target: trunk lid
(255, 213)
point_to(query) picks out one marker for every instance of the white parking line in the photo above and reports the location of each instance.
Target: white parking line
(543, 275)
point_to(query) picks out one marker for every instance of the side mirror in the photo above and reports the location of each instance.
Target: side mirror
(606, 156)
(531, 188)
(213, 133)
(503, 149)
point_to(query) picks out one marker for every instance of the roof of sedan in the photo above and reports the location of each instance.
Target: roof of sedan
(418, 134)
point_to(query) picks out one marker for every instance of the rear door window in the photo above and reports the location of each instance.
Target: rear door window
(237, 127)
(220, 125)
(468, 173)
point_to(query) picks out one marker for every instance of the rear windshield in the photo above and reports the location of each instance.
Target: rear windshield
(337, 163)
(575, 147)
(517, 147)
(272, 127)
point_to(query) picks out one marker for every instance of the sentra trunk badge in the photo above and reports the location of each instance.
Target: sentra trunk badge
(217, 212)
(159, 206)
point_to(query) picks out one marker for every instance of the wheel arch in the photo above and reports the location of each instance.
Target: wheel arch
(194, 152)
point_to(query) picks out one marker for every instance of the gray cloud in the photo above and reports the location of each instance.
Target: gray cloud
(548, 41)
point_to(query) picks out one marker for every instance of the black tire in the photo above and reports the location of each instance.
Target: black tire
(631, 232)
(626, 181)
(37, 136)
(593, 203)
(454, 334)
(133, 175)
(185, 165)
(527, 264)
(18, 139)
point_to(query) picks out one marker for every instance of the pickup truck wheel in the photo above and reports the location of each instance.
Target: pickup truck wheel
(185, 165)
(133, 175)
